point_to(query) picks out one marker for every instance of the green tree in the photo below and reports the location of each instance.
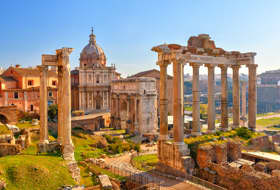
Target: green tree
(52, 112)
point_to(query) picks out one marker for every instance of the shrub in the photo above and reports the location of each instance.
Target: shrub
(244, 133)
(52, 112)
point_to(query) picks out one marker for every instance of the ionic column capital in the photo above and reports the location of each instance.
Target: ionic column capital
(235, 67)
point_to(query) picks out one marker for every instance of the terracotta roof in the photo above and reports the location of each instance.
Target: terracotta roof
(7, 78)
(32, 72)
(144, 73)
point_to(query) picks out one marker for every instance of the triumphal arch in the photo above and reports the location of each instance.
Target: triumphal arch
(200, 51)
(61, 61)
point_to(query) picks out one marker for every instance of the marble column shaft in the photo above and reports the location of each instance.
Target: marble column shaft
(59, 105)
(196, 100)
(211, 98)
(63, 60)
(235, 96)
(43, 104)
(178, 105)
(224, 98)
(244, 84)
(252, 101)
(163, 100)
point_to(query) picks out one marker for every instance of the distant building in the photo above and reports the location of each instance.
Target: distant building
(268, 91)
(20, 87)
(156, 75)
(91, 82)
(134, 105)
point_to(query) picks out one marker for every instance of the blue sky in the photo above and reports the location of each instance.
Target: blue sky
(127, 30)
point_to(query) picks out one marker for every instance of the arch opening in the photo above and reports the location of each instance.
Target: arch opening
(3, 119)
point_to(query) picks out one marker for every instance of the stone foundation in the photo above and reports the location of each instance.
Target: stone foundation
(74, 170)
(174, 159)
(51, 147)
(9, 149)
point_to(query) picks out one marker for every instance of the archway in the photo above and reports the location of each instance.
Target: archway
(3, 119)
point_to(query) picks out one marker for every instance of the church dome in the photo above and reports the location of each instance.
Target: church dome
(92, 54)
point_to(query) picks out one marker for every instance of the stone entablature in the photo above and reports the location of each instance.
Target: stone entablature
(134, 105)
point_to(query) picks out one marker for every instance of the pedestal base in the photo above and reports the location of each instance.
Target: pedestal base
(195, 133)
(174, 159)
(68, 152)
(50, 147)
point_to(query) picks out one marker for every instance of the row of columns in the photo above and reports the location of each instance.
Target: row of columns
(64, 103)
(178, 115)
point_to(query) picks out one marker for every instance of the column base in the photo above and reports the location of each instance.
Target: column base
(235, 126)
(210, 131)
(252, 129)
(195, 133)
(224, 129)
(174, 159)
(68, 152)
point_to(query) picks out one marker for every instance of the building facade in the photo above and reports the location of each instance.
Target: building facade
(20, 87)
(134, 105)
(156, 75)
(91, 81)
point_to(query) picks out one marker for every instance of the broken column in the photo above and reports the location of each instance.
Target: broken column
(63, 60)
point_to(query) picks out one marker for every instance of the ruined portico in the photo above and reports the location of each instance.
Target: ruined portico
(200, 51)
(61, 61)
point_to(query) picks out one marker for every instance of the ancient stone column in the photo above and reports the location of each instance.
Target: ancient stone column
(43, 104)
(211, 98)
(178, 105)
(244, 84)
(163, 100)
(136, 115)
(59, 105)
(224, 104)
(252, 100)
(63, 60)
(235, 96)
(196, 100)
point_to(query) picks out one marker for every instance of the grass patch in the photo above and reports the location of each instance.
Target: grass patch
(4, 130)
(29, 172)
(26, 125)
(97, 170)
(145, 162)
(84, 146)
(268, 122)
(87, 179)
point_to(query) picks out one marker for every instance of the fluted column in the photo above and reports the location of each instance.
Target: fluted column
(252, 101)
(59, 105)
(196, 100)
(163, 100)
(235, 96)
(136, 114)
(178, 105)
(211, 98)
(43, 104)
(63, 60)
(224, 98)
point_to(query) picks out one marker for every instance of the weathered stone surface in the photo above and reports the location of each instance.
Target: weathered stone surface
(21, 141)
(205, 155)
(6, 138)
(102, 143)
(105, 182)
(247, 168)
(234, 150)
(52, 147)
(9, 149)
(273, 166)
(261, 143)
(275, 173)
(74, 170)
(260, 166)
(221, 153)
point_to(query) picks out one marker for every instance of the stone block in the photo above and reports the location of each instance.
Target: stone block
(233, 150)
(205, 155)
(260, 166)
(221, 153)
(275, 173)
(52, 147)
(9, 149)
(105, 182)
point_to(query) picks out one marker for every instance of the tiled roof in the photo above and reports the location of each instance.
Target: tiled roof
(144, 73)
(32, 72)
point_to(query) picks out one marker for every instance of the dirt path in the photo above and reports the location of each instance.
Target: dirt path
(123, 162)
